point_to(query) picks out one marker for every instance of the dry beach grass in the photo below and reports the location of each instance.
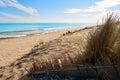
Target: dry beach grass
(101, 48)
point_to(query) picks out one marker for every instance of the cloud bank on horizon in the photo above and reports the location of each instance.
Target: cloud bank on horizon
(56, 11)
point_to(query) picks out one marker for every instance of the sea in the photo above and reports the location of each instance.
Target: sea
(24, 29)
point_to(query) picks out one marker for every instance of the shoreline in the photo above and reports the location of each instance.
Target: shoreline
(13, 48)
(3, 38)
(72, 29)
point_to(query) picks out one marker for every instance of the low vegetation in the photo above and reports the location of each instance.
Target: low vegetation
(102, 49)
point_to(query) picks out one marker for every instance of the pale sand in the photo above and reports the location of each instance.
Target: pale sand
(14, 48)
(18, 50)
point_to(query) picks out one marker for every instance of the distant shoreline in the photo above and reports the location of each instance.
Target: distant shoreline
(3, 38)
(21, 30)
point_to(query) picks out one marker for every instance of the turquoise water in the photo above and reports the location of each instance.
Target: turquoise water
(23, 29)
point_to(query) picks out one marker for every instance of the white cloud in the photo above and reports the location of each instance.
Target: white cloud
(97, 11)
(103, 5)
(16, 4)
(73, 10)
(10, 16)
(100, 6)
(2, 3)
(17, 18)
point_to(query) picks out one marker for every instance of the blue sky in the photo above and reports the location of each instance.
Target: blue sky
(23, 11)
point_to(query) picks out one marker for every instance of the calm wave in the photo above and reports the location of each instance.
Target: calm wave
(23, 29)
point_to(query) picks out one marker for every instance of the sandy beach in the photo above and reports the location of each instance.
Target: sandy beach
(15, 53)
(13, 48)
(18, 54)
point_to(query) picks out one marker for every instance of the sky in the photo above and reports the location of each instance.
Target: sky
(30, 11)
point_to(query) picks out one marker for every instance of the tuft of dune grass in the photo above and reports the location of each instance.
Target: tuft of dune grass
(103, 47)
(101, 42)
(50, 63)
